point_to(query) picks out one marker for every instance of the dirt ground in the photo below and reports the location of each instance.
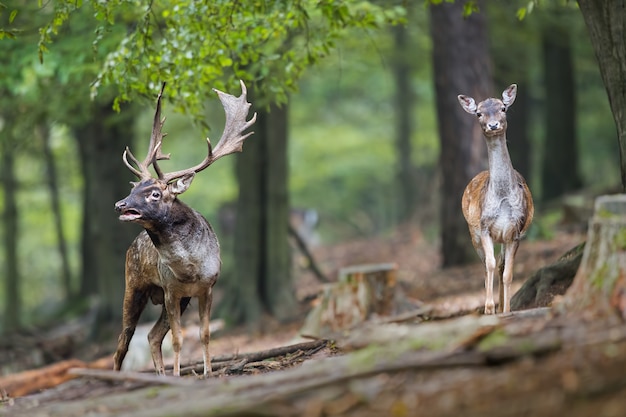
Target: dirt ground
(453, 291)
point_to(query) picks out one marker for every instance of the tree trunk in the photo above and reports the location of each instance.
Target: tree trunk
(606, 24)
(12, 311)
(559, 173)
(43, 132)
(105, 240)
(512, 35)
(401, 69)
(277, 287)
(599, 287)
(261, 282)
(462, 65)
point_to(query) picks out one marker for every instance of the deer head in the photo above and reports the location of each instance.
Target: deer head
(152, 196)
(491, 112)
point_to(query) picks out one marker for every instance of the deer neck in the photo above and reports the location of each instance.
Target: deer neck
(186, 244)
(501, 172)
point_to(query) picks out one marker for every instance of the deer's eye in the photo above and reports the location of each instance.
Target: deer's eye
(156, 194)
(479, 115)
(504, 109)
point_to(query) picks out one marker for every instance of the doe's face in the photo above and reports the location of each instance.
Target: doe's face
(491, 115)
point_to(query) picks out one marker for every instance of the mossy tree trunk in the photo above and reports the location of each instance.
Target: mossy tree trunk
(599, 287)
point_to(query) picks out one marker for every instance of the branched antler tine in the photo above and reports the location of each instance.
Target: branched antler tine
(236, 109)
(156, 139)
(154, 153)
(127, 153)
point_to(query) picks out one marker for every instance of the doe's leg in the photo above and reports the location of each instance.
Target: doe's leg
(500, 272)
(510, 249)
(134, 303)
(490, 266)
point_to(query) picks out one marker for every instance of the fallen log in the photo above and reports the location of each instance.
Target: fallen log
(26, 382)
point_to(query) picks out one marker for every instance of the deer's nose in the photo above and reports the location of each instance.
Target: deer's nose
(494, 125)
(119, 206)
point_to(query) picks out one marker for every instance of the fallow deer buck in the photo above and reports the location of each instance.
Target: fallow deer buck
(497, 204)
(177, 256)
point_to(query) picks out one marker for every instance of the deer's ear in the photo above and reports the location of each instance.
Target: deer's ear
(181, 184)
(508, 95)
(468, 104)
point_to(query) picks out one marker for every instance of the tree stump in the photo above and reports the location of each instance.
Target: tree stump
(599, 287)
(361, 291)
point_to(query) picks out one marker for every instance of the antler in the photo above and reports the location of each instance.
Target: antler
(236, 109)
(154, 148)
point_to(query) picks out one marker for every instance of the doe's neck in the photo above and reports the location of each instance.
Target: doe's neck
(500, 166)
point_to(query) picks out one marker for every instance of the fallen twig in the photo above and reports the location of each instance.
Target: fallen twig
(255, 356)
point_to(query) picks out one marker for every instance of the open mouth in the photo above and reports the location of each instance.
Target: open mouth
(129, 215)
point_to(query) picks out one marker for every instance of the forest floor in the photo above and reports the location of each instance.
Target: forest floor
(436, 364)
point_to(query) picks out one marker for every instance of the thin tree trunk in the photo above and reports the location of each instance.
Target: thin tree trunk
(462, 65)
(277, 286)
(512, 35)
(404, 127)
(12, 311)
(242, 302)
(261, 282)
(105, 240)
(606, 24)
(517, 133)
(53, 187)
(560, 157)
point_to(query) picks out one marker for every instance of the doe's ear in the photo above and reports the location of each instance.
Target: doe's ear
(508, 95)
(468, 104)
(181, 184)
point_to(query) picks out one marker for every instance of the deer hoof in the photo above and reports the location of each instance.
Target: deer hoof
(490, 308)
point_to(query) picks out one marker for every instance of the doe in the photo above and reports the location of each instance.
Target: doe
(177, 256)
(497, 204)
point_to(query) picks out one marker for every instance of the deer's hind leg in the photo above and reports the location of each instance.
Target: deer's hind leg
(134, 303)
(158, 332)
(204, 305)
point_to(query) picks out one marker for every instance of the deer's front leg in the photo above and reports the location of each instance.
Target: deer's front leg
(490, 267)
(510, 249)
(173, 312)
(204, 304)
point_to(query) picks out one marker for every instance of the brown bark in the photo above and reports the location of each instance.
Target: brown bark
(462, 65)
(404, 99)
(55, 202)
(606, 24)
(546, 283)
(23, 383)
(261, 281)
(101, 141)
(12, 310)
(559, 168)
